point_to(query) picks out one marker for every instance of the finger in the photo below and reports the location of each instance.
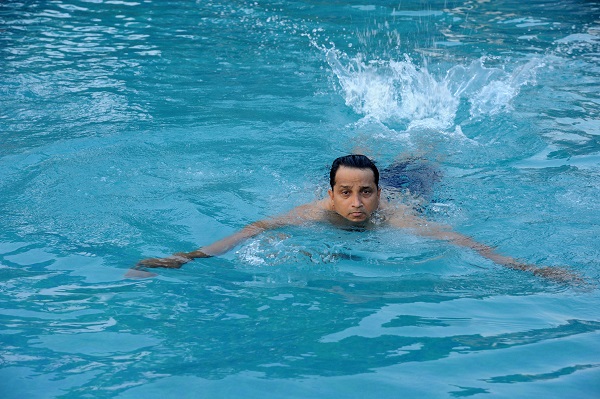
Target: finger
(138, 274)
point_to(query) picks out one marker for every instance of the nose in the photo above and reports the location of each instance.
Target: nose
(356, 201)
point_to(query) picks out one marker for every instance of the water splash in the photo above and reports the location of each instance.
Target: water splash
(490, 91)
(405, 95)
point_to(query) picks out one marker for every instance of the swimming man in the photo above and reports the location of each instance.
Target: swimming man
(354, 201)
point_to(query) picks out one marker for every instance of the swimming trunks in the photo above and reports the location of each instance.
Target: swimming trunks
(416, 175)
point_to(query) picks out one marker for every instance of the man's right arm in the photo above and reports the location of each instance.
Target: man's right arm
(298, 215)
(219, 247)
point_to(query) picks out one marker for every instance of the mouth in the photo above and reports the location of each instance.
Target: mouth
(356, 215)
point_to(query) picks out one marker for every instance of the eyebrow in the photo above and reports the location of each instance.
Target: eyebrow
(361, 187)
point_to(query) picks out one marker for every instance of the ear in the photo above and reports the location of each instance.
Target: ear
(330, 192)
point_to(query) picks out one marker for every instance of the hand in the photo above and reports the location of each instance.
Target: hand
(171, 262)
(558, 274)
(137, 274)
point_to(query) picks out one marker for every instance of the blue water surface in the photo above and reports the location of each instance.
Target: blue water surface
(131, 129)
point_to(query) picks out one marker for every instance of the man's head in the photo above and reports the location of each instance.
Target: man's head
(355, 191)
(356, 161)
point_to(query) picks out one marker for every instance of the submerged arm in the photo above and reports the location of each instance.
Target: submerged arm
(296, 216)
(442, 232)
(217, 248)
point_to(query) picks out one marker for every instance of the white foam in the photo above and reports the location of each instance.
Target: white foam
(421, 13)
(403, 93)
(579, 37)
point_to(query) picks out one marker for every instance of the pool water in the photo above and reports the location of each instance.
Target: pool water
(132, 129)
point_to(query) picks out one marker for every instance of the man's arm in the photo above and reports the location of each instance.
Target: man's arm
(442, 232)
(299, 215)
(178, 259)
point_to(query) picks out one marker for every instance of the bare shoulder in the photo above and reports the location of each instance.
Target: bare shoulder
(313, 211)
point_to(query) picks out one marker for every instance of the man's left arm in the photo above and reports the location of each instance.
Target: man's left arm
(438, 231)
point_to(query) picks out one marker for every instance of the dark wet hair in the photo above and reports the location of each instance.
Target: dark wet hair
(353, 161)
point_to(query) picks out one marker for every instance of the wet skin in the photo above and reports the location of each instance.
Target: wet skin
(352, 200)
(355, 196)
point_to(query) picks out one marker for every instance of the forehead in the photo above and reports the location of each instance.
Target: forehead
(346, 176)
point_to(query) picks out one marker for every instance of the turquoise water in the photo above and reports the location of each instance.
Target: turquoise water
(136, 129)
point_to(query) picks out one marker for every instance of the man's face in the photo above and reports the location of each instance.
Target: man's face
(355, 195)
